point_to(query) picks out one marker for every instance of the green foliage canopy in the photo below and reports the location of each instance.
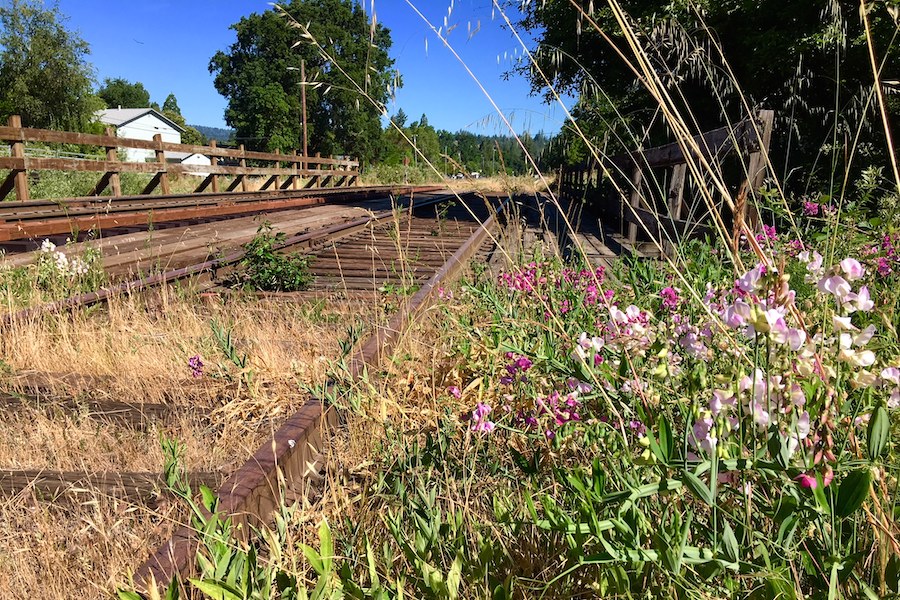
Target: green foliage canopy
(806, 60)
(121, 92)
(44, 73)
(259, 75)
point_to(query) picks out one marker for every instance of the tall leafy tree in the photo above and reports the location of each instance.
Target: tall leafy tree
(121, 92)
(806, 60)
(259, 75)
(44, 73)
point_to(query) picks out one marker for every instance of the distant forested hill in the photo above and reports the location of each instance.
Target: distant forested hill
(219, 134)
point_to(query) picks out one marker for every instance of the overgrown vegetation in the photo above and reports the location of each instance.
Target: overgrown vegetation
(55, 274)
(263, 268)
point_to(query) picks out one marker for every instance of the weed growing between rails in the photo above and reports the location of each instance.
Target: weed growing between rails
(263, 269)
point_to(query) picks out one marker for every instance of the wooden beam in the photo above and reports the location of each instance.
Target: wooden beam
(215, 162)
(17, 150)
(634, 200)
(24, 134)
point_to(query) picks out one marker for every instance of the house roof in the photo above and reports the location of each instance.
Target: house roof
(123, 116)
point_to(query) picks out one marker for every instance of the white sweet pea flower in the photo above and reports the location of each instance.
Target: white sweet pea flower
(835, 285)
(891, 374)
(803, 425)
(842, 324)
(864, 379)
(863, 337)
(863, 301)
(749, 281)
(852, 268)
(796, 338)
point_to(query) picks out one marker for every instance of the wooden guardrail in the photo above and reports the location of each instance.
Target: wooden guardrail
(285, 171)
(655, 180)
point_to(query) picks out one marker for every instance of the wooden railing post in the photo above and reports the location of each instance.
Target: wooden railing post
(276, 178)
(676, 200)
(112, 155)
(756, 169)
(635, 201)
(215, 162)
(162, 176)
(111, 177)
(18, 178)
(161, 158)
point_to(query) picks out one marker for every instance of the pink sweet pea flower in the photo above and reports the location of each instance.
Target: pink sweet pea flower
(807, 480)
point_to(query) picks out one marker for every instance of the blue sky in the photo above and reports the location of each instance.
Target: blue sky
(167, 44)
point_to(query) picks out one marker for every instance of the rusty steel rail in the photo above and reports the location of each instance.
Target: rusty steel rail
(30, 219)
(137, 285)
(252, 492)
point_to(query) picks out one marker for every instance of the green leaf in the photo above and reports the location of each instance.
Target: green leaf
(126, 595)
(208, 498)
(326, 546)
(879, 432)
(853, 491)
(314, 559)
(666, 439)
(216, 590)
(370, 560)
(730, 544)
(454, 576)
(700, 489)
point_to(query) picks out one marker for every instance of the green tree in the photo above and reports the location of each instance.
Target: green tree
(172, 111)
(44, 73)
(806, 60)
(426, 140)
(121, 92)
(170, 105)
(259, 75)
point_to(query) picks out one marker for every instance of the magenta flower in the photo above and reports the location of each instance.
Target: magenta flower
(454, 391)
(811, 209)
(807, 480)
(670, 298)
(480, 421)
(195, 364)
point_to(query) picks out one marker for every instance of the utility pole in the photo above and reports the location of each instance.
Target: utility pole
(303, 104)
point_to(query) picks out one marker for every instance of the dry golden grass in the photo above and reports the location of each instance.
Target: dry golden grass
(502, 184)
(136, 350)
(76, 551)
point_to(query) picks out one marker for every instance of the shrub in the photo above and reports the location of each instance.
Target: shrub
(262, 268)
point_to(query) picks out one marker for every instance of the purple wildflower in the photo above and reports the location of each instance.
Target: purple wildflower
(480, 421)
(196, 366)
(811, 209)
(670, 298)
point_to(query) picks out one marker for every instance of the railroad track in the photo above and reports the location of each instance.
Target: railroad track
(397, 256)
(21, 222)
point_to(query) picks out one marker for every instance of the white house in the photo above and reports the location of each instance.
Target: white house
(140, 124)
(189, 158)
